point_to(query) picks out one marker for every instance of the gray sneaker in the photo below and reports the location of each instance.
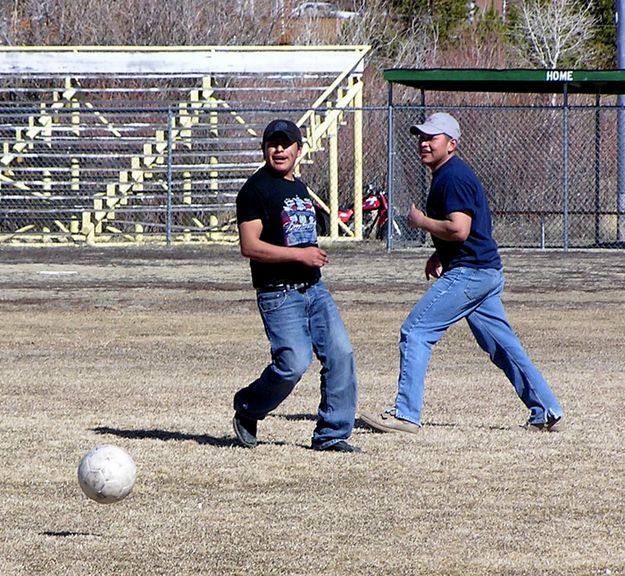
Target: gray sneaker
(387, 421)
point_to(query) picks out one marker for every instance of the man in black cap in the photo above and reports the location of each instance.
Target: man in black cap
(277, 232)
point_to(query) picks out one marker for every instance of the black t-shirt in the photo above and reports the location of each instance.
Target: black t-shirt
(288, 217)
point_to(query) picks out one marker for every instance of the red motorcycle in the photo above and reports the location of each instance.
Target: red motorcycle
(375, 216)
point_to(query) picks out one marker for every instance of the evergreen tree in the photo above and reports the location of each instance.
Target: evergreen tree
(449, 17)
(604, 34)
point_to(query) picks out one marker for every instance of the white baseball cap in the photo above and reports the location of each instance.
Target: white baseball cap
(438, 123)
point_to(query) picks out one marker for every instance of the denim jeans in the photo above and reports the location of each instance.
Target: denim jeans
(298, 323)
(474, 294)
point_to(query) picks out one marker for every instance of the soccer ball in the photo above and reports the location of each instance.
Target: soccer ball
(106, 474)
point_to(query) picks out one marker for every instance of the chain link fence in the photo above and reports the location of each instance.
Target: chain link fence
(118, 174)
(550, 174)
(152, 173)
(143, 172)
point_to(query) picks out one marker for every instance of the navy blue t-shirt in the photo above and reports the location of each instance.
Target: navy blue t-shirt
(456, 188)
(288, 217)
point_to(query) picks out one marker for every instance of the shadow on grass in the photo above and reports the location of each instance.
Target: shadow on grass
(358, 423)
(295, 417)
(478, 426)
(166, 435)
(361, 424)
(206, 439)
(66, 533)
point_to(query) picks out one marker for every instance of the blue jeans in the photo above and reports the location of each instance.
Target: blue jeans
(474, 294)
(298, 324)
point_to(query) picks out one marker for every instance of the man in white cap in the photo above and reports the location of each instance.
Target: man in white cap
(468, 284)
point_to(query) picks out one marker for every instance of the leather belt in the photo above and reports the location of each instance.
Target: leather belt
(300, 286)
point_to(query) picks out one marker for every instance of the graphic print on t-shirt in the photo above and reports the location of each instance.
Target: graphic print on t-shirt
(298, 222)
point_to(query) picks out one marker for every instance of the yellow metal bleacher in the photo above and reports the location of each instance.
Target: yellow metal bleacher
(131, 144)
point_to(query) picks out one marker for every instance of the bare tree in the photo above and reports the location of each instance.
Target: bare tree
(134, 22)
(554, 33)
(394, 41)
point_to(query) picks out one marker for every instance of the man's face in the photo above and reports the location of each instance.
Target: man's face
(281, 154)
(436, 150)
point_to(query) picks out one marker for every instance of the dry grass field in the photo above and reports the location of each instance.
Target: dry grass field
(144, 348)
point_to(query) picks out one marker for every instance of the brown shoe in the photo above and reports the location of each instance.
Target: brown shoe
(388, 422)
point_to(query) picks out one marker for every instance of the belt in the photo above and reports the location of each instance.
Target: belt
(299, 286)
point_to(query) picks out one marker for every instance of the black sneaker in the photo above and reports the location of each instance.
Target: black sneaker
(550, 426)
(245, 429)
(340, 446)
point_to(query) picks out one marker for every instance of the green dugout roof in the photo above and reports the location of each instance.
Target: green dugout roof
(517, 80)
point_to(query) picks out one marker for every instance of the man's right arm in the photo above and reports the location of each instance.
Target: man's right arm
(254, 248)
(455, 228)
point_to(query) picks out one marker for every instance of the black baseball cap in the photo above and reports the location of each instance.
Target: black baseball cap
(285, 127)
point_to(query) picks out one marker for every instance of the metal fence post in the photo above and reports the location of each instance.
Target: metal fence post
(168, 224)
(390, 170)
(620, 192)
(620, 121)
(565, 165)
(597, 170)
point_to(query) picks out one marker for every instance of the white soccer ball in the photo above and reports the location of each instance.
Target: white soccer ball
(106, 473)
